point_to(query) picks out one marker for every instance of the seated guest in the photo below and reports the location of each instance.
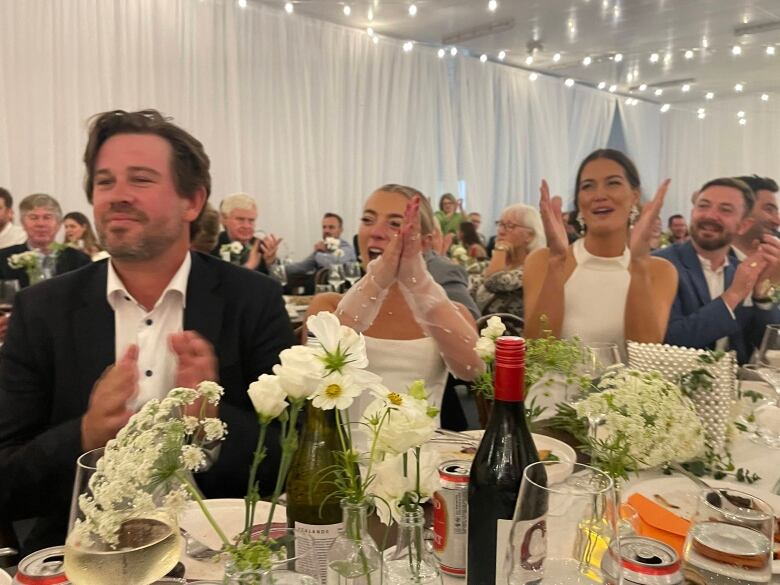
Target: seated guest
(10, 234)
(239, 213)
(766, 220)
(476, 220)
(450, 275)
(413, 331)
(678, 229)
(605, 287)
(658, 238)
(79, 234)
(468, 238)
(450, 214)
(520, 232)
(41, 219)
(322, 256)
(721, 303)
(205, 230)
(85, 350)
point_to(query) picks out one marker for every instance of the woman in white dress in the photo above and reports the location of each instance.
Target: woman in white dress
(605, 287)
(412, 330)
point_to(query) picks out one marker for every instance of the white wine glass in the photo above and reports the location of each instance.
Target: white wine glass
(352, 272)
(561, 528)
(279, 272)
(599, 357)
(730, 540)
(336, 276)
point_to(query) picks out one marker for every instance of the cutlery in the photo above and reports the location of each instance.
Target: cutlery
(7, 551)
(197, 550)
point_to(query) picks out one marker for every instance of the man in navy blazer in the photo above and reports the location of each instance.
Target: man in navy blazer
(721, 303)
(85, 350)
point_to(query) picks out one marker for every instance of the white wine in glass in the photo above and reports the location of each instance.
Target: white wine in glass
(148, 549)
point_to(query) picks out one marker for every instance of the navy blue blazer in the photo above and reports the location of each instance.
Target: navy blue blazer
(696, 320)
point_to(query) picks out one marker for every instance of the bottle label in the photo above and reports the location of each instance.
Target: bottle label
(508, 384)
(322, 536)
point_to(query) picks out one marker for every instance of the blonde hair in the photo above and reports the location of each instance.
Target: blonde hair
(236, 201)
(427, 221)
(529, 217)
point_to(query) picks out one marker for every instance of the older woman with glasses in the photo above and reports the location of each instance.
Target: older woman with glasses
(518, 233)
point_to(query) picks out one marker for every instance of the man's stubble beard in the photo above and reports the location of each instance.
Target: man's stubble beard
(147, 246)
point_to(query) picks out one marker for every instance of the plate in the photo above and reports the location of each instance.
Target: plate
(229, 514)
(555, 473)
(682, 492)
(5, 578)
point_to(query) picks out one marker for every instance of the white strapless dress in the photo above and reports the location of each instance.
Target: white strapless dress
(400, 362)
(595, 297)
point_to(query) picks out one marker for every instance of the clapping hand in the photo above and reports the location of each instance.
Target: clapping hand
(552, 219)
(269, 247)
(643, 229)
(195, 363)
(769, 249)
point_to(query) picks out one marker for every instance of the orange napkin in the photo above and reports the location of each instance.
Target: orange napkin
(657, 522)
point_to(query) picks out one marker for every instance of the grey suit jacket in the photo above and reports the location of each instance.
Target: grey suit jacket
(453, 278)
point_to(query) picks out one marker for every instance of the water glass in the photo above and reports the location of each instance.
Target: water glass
(336, 276)
(353, 271)
(8, 290)
(561, 528)
(769, 351)
(730, 540)
(279, 272)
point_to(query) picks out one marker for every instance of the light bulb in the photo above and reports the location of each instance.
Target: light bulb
(665, 108)
(242, 3)
(370, 14)
(742, 121)
(739, 87)
(770, 51)
(612, 88)
(700, 110)
(602, 85)
(529, 60)
(686, 88)
(736, 50)
(501, 55)
(659, 91)
(413, 10)
(492, 5)
(483, 58)
(654, 58)
(701, 115)
(709, 95)
(668, 58)
(643, 87)
(587, 61)
(375, 39)
(764, 97)
(556, 57)
(289, 8)
(704, 43)
(569, 82)
(454, 51)
(689, 54)
(740, 114)
(441, 53)
(618, 57)
(534, 76)
(347, 10)
(408, 46)
(370, 31)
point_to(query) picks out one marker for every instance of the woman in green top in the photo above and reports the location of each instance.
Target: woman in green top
(450, 214)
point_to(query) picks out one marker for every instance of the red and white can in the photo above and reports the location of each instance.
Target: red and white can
(644, 561)
(44, 567)
(451, 517)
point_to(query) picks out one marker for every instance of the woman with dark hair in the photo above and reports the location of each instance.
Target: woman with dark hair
(450, 214)
(79, 234)
(469, 239)
(605, 287)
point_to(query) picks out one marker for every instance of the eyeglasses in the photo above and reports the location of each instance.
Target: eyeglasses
(508, 225)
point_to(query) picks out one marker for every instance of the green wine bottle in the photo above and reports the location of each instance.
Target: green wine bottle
(312, 507)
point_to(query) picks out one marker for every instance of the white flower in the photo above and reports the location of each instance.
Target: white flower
(267, 396)
(211, 391)
(214, 429)
(338, 253)
(495, 328)
(236, 247)
(391, 484)
(23, 260)
(485, 348)
(398, 422)
(181, 397)
(300, 371)
(192, 457)
(339, 344)
(191, 424)
(333, 245)
(336, 391)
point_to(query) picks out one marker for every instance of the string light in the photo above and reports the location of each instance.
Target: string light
(686, 88)
(375, 39)
(701, 115)
(736, 50)
(659, 91)
(408, 46)
(770, 51)
(618, 57)
(492, 5)
(602, 85)
(501, 55)
(569, 82)
(742, 121)
(740, 114)
(289, 8)
(612, 88)
(654, 58)
(709, 95)
(370, 31)
(704, 43)
(534, 76)
(483, 58)
(700, 111)
(643, 87)
(242, 3)
(529, 60)
(665, 108)
(441, 53)
(453, 51)
(556, 57)
(587, 61)
(689, 54)
(347, 10)
(413, 10)
(764, 97)
(739, 87)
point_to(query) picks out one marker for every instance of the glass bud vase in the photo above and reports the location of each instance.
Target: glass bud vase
(354, 558)
(411, 562)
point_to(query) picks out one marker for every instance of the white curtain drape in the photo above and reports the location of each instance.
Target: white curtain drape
(642, 132)
(309, 117)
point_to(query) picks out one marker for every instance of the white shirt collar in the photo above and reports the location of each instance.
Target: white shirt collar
(115, 288)
(738, 253)
(707, 265)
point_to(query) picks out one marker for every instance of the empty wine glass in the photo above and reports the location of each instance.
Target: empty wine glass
(336, 276)
(352, 272)
(279, 272)
(767, 416)
(599, 356)
(561, 530)
(730, 540)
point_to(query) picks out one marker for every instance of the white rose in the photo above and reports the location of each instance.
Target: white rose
(236, 247)
(495, 328)
(300, 371)
(485, 348)
(267, 396)
(406, 426)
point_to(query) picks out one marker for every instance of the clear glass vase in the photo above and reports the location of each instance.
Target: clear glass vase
(354, 558)
(411, 562)
(280, 564)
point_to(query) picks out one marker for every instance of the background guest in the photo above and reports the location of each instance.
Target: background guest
(678, 229)
(599, 288)
(468, 238)
(476, 219)
(500, 290)
(322, 256)
(79, 234)
(10, 234)
(766, 219)
(450, 214)
(204, 232)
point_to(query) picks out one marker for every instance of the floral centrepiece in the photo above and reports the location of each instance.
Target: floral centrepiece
(333, 246)
(233, 252)
(29, 262)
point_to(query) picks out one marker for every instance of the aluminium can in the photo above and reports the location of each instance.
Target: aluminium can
(451, 517)
(44, 567)
(645, 561)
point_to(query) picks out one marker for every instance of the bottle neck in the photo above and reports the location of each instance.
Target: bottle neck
(318, 420)
(355, 518)
(411, 518)
(508, 383)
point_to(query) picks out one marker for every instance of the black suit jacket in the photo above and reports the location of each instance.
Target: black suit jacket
(224, 239)
(68, 259)
(61, 338)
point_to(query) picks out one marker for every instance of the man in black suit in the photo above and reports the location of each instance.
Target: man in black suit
(41, 219)
(85, 350)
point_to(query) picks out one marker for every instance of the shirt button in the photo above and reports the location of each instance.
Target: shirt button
(148, 373)
(149, 321)
(127, 298)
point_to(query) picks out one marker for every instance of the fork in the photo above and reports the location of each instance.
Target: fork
(197, 550)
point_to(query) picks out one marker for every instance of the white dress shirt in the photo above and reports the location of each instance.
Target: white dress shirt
(715, 284)
(150, 331)
(12, 235)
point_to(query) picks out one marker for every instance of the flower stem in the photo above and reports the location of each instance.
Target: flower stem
(289, 445)
(250, 500)
(196, 496)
